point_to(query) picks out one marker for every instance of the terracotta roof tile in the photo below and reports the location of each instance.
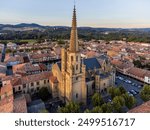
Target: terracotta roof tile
(53, 79)
(144, 108)
(20, 105)
(137, 72)
(5, 89)
(36, 77)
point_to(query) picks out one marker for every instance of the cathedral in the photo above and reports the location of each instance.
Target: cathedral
(77, 78)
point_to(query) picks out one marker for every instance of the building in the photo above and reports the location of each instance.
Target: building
(14, 60)
(6, 99)
(139, 74)
(20, 104)
(79, 78)
(3, 69)
(29, 69)
(144, 108)
(31, 84)
(71, 74)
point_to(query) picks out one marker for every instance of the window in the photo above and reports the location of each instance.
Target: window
(32, 90)
(38, 88)
(44, 81)
(48, 81)
(77, 58)
(1, 84)
(76, 67)
(13, 90)
(76, 78)
(37, 83)
(77, 95)
(71, 58)
(19, 88)
(104, 84)
(32, 84)
(24, 85)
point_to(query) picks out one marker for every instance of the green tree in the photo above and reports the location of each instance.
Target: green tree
(137, 63)
(97, 100)
(71, 107)
(44, 111)
(97, 109)
(87, 111)
(8, 51)
(118, 103)
(110, 108)
(44, 94)
(130, 101)
(122, 90)
(61, 42)
(114, 92)
(107, 107)
(145, 93)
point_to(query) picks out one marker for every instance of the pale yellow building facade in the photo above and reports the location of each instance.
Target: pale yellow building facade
(79, 78)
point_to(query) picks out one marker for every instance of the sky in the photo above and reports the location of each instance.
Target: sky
(93, 13)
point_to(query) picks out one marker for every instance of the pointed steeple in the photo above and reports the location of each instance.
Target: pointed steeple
(74, 35)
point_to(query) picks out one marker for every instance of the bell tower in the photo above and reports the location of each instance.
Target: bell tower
(73, 72)
(74, 56)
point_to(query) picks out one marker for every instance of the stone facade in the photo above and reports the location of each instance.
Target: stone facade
(79, 78)
(71, 74)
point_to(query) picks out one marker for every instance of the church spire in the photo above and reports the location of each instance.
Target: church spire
(74, 36)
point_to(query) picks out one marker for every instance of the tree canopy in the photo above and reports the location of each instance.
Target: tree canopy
(70, 107)
(145, 93)
(97, 99)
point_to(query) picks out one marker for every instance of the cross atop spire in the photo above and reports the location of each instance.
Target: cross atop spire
(74, 35)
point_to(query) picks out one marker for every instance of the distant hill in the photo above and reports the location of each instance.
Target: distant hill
(26, 26)
(34, 26)
(36, 31)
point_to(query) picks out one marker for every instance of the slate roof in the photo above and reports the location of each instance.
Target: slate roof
(103, 76)
(59, 65)
(91, 63)
(103, 57)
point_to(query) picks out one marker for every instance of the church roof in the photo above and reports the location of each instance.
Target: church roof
(103, 76)
(91, 63)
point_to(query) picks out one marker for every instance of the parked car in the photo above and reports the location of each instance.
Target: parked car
(133, 92)
(109, 100)
(136, 85)
(136, 91)
(120, 78)
(130, 94)
(129, 82)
